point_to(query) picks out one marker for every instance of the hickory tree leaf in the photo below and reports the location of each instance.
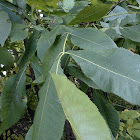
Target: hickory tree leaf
(49, 29)
(30, 48)
(37, 69)
(29, 134)
(11, 10)
(49, 117)
(21, 3)
(68, 5)
(45, 42)
(119, 12)
(90, 39)
(109, 113)
(5, 27)
(110, 69)
(6, 57)
(53, 53)
(13, 107)
(91, 13)
(86, 124)
(19, 32)
(132, 32)
(80, 75)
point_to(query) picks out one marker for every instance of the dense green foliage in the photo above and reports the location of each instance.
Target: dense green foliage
(67, 67)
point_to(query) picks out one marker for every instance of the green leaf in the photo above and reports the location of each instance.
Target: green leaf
(6, 57)
(68, 5)
(91, 13)
(129, 114)
(132, 32)
(37, 69)
(136, 130)
(45, 42)
(29, 134)
(30, 48)
(129, 44)
(90, 39)
(131, 19)
(108, 112)
(19, 32)
(53, 52)
(83, 115)
(112, 71)
(13, 100)
(119, 12)
(12, 10)
(5, 27)
(21, 3)
(95, 1)
(49, 118)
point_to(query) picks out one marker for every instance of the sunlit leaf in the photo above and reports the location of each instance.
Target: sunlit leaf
(82, 114)
(91, 13)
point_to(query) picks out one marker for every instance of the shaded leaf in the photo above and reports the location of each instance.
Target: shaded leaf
(37, 69)
(19, 32)
(21, 3)
(6, 57)
(5, 27)
(30, 48)
(83, 115)
(44, 43)
(80, 75)
(109, 113)
(12, 10)
(13, 100)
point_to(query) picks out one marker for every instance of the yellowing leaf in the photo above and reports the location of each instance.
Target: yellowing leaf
(84, 117)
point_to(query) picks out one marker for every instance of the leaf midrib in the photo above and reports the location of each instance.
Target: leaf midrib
(103, 67)
(41, 118)
(85, 38)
